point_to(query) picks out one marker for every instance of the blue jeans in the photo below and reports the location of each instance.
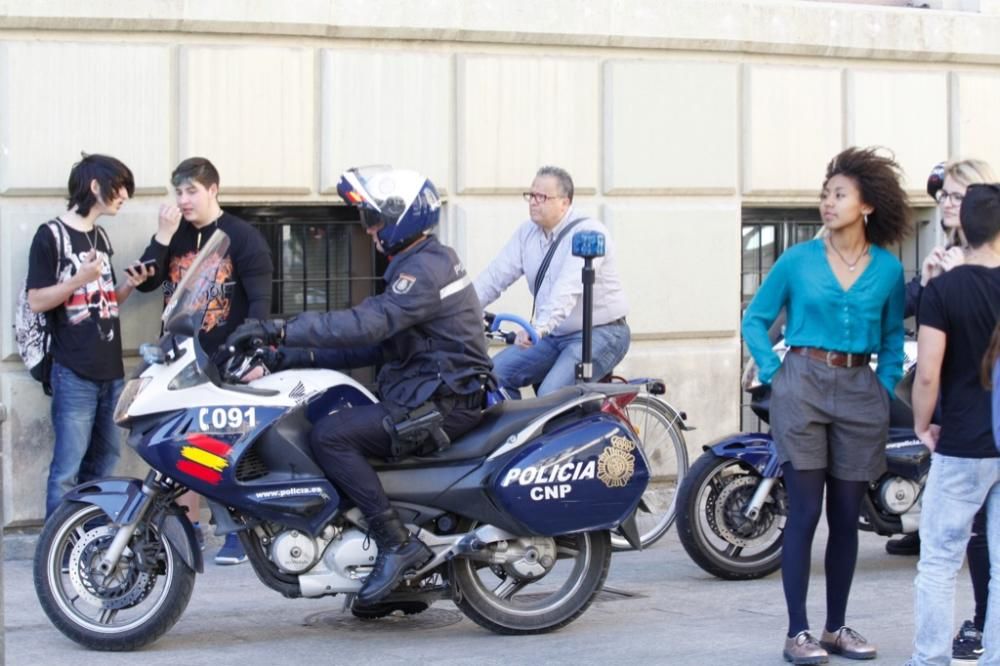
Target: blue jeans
(88, 443)
(552, 362)
(956, 489)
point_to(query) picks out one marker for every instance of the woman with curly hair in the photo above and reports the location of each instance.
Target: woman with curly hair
(844, 297)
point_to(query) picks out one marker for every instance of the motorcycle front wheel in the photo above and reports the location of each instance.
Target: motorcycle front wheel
(531, 594)
(713, 529)
(126, 609)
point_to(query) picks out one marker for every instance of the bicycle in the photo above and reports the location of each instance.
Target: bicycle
(659, 426)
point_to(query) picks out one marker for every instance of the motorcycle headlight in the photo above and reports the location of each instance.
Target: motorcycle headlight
(129, 394)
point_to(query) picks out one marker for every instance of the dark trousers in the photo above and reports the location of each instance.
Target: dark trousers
(343, 441)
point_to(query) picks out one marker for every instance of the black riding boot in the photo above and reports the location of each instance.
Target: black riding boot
(398, 553)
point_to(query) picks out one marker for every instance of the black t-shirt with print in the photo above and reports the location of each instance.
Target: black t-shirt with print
(86, 333)
(243, 283)
(964, 303)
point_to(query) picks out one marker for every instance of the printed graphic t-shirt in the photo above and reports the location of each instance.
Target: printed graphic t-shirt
(86, 332)
(964, 303)
(243, 282)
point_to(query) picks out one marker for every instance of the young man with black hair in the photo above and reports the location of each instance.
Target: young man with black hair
(958, 313)
(70, 277)
(243, 281)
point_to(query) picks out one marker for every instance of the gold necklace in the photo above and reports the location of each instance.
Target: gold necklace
(850, 265)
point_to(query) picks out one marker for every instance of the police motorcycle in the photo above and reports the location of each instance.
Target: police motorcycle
(732, 504)
(659, 425)
(518, 512)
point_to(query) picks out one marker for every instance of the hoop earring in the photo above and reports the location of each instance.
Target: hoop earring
(866, 219)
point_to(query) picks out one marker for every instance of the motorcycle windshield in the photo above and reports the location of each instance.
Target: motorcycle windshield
(194, 294)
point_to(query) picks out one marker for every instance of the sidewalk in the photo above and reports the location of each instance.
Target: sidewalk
(661, 609)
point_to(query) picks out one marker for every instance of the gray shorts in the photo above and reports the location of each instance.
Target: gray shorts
(830, 418)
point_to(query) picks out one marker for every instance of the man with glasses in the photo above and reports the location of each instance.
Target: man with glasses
(540, 250)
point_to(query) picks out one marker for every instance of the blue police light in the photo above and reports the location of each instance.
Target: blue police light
(588, 244)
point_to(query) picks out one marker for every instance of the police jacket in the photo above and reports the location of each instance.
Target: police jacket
(426, 329)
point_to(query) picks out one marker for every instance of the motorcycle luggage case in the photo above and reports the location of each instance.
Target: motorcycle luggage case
(586, 475)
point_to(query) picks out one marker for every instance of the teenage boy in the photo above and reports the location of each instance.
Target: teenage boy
(243, 280)
(70, 277)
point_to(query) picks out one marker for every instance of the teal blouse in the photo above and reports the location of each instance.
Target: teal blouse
(865, 319)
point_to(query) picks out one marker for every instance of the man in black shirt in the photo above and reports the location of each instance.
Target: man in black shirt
(70, 277)
(243, 288)
(958, 312)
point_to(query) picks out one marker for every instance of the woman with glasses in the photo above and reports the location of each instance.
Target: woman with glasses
(948, 184)
(844, 296)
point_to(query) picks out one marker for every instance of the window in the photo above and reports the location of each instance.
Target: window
(323, 260)
(766, 234)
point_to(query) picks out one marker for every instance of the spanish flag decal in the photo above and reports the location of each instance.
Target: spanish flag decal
(205, 458)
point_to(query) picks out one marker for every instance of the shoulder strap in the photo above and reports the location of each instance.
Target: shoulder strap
(55, 225)
(107, 241)
(543, 269)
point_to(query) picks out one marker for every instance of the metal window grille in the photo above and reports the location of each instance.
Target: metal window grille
(323, 260)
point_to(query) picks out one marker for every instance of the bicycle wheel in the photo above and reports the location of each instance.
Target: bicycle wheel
(658, 427)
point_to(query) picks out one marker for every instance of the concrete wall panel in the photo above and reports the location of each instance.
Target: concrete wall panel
(517, 113)
(793, 125)
(977, 125)
(670, 127)
(60, 98)
(905, 111)
(28, 441)
(250, 110)
(702, 379)
(680, 263)
(370, 114)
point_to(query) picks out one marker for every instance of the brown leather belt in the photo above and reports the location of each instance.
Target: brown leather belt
(834, 359)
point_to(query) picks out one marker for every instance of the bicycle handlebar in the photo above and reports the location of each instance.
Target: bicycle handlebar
(495, 320)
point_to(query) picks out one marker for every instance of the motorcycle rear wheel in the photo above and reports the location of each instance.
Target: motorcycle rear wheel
(662, 442)
(126, 610)
(711, 525)
(507, 605)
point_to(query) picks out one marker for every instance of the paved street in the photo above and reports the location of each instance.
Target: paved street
(679, 615)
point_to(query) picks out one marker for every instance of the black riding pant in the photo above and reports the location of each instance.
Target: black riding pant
(342, 443)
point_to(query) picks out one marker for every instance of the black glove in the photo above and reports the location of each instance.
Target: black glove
(286, 358)
(256, 333)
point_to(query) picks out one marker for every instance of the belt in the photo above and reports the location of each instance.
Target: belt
(834, 359)
(467, 400)
(617, 322)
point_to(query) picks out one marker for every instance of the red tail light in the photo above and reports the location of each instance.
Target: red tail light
(616, 404)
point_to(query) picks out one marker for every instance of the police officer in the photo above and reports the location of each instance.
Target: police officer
(426, 329)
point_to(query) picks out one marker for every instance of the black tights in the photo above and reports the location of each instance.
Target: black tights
(805, 503)
(978, 553)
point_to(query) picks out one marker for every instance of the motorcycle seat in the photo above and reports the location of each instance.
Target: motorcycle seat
(499, 422)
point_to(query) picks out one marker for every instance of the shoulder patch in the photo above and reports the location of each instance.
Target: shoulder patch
(403, 283)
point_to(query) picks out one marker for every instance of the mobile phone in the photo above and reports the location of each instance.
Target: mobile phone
(147, 264)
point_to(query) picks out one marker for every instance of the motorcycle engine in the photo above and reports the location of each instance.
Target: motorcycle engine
(294, 552)
(898, 495)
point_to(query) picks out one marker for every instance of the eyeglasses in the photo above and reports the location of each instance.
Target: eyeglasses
(943, 196)
(540, 197)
